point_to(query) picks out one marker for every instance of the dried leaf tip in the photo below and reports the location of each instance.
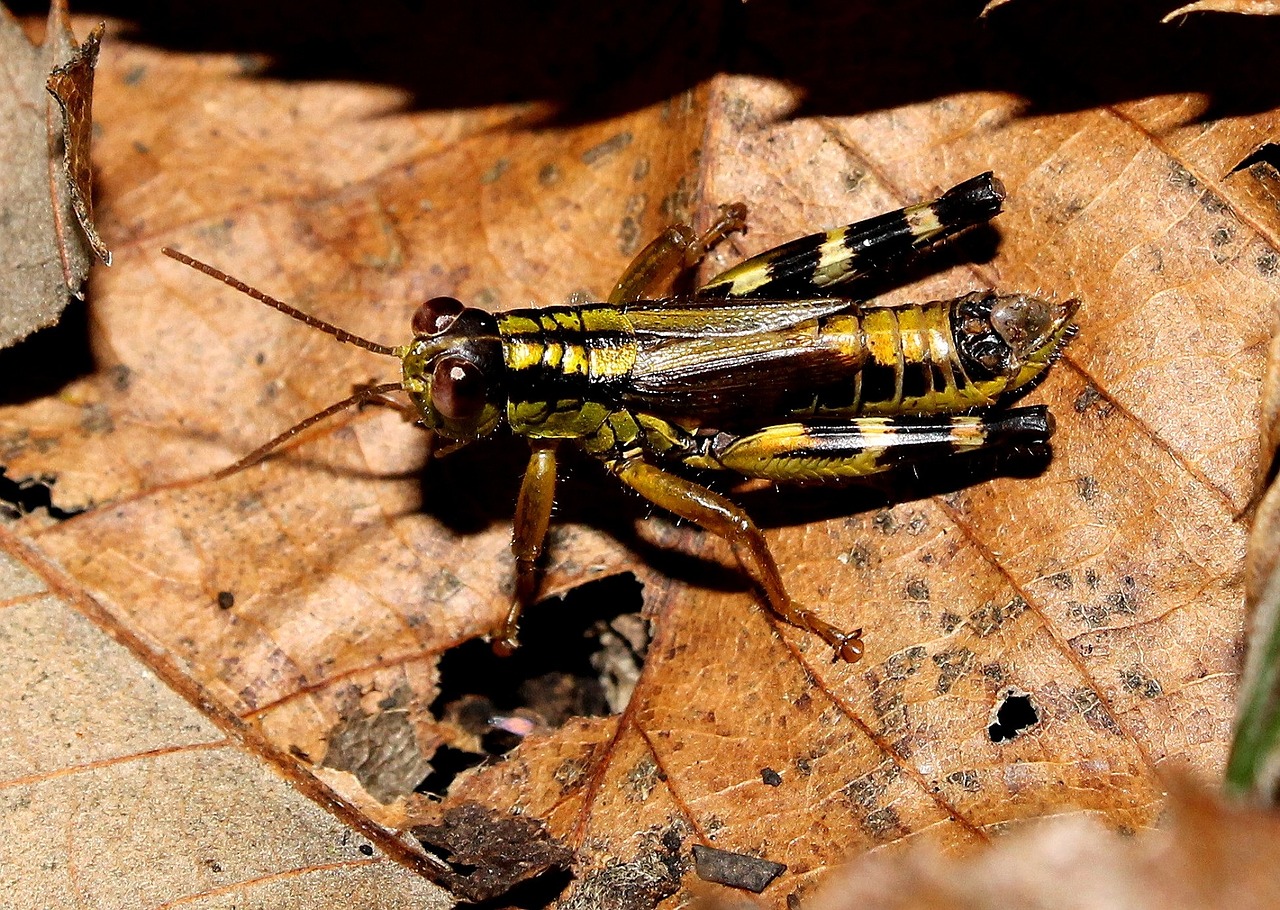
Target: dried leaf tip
(71, 84)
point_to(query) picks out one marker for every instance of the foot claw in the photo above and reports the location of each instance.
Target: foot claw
(848, 647)
(505, 644)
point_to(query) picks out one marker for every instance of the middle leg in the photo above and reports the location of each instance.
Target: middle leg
(533, 517)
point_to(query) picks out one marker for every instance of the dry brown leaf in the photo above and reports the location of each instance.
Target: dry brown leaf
(1243, 7)
(1209, 855)
(313, 595)
(43, 252)
(116, 792)
(71, 85)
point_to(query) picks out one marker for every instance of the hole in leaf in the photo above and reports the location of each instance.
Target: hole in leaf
(535, 893)
(1268, 153)
(1014, 714)
(579, 655)
(30, 494)
(446, 764)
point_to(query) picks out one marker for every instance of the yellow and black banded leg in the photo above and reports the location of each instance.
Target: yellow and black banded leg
(677, 248)
(805, 266)
(821, 451)
(533, 517)
(714, 513)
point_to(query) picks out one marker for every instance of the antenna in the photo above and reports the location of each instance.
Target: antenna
(341, 334)
(262, 451)
(371, 393)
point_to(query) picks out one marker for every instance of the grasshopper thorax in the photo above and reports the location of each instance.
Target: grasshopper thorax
(1010, 336)
(453, 369)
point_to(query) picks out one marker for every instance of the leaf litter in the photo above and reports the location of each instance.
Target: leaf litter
(47, 235)
(1106, 586)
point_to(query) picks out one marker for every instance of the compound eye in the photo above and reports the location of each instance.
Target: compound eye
(436, 315)
(457, 388)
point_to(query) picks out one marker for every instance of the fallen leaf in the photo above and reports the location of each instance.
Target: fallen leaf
(491, 851)
(313, 595)
(1209, 855)
(117, 792)
(44, 256)
(71, 85)
(1243, 7)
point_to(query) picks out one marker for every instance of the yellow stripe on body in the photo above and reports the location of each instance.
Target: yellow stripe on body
(884, 348)
(522, 353)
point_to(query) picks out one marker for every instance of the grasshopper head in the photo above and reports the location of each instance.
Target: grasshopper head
(453, 370)
(1012, 336)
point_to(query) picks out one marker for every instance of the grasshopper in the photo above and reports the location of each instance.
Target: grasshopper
(766, 371)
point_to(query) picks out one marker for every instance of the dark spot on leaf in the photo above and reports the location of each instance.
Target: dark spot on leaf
(917, 589)
(1094, 712)
(1182, 178)
(735, 870)
(489, 852)
(365, 849)
(1137, 679)
(121, 377)
(891, 709)
(603, 150)
(858, 557)
(1062, 581)
(951, 666)
(770, 777)
(642, 778)
(991, 617)
(884, 825)
(1086, 488)
(381, 750)
(571, 774)
(950, 621)
(226, 600)
(1013, 714)
(628, 236)
(885, 522)
(500, 167)
(966, 780)
(1213, 203)
(96, 419)
(905, 663)
(640, 884)
(1266, 263)
(548, 174)
(1092, 401)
